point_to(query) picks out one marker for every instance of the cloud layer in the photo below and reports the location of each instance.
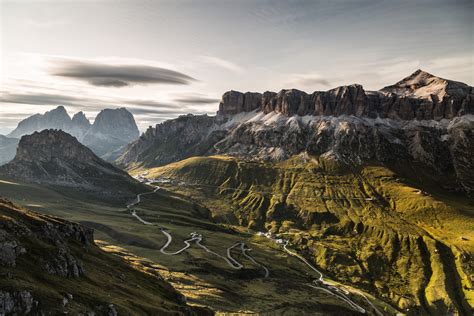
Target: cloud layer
(118, 75)
(196, 99)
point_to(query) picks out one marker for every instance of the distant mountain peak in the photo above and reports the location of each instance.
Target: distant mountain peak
(422, 84)
(80, 119)
(58, 111)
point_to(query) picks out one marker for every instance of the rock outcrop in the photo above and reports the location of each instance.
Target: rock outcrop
(188, 135)
(57, 158)
(51, 266)
(420, 96)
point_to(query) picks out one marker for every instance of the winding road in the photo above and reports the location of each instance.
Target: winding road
(197, 239)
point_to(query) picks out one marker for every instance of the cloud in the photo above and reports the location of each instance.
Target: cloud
(196, 99)
(40, 99)
(106, 75)
(309, 80)
(136, 106)
(226, 64)
(147, 111)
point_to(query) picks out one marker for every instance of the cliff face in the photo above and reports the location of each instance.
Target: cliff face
(112, 129)
(50, 266)
(186, 136)
(420, 96)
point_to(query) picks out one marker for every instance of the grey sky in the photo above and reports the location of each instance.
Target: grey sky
(204, 48)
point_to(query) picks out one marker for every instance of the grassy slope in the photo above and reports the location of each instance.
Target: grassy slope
(203, 278)
(411, 247)
(107, 279)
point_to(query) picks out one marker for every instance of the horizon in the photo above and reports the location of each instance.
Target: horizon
(142, 129)
(180, 57)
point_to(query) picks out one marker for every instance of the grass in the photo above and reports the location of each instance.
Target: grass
(367, 226)
(107, 278)
(206, 280)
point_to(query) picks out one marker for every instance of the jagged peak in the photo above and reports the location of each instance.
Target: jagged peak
(58, 109)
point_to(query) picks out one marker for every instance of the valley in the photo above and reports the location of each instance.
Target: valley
(267, 158)
(205, 277)
(354, 223)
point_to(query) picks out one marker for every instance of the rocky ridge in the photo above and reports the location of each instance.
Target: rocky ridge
(57, 118)
(37, 248)
(420, 96)
(57, 158)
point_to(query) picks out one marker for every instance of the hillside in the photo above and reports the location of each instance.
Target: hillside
(200, 271)
(52, 266)
(405, 241)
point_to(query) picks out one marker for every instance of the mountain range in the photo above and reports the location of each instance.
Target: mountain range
(354, 201)
(111, 130)
(423, 121)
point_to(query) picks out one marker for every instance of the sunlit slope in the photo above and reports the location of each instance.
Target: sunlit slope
(52, 266)
(401, 240)
(205, 279)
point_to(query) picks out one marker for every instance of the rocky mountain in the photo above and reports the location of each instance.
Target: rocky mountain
(7, 149)
(112, 129)
(57, 118)
(79, 125)
(51, 266)
(57, 158)
(421, 123)
(420, 96)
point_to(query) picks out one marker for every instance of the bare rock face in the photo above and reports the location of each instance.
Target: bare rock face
(234, 102)
(160, 145)
(112, 129)
(420, 96)
(16, 303)
(79, 125)
(57, 118)
(57, 158)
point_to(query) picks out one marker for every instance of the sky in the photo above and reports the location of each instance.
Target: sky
(162, 59)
